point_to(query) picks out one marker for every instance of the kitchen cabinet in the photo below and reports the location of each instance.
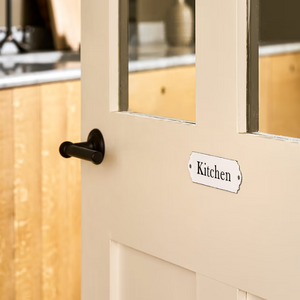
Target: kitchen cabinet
(279, 94)
(169, 92)
(40, 192)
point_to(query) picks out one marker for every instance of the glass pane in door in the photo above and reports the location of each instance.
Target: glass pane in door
(161, 58)
(279, 67)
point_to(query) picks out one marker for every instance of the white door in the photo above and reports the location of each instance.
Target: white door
(148, 231)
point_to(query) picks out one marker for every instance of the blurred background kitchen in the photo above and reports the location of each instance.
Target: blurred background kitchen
(279, 67)
(40, 103)
(43, 24)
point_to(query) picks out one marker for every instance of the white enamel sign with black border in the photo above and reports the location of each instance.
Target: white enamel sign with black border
(216, 172)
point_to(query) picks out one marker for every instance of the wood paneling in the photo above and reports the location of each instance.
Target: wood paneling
(73, 193)
(168, 93)
(40, 193)
(6, 197)
(54, 192)
(61, 192)
(27, 192)
(279, 94)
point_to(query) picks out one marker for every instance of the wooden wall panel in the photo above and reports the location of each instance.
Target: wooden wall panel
(168, 93)
(264, 94)
(54, 192)
(279, 94)
(27, 192)
(74, 193)
(40, 200)
(6, 197)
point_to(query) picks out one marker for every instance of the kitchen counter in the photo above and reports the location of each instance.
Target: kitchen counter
(277, 49)
(37, 68)
(161, 63)
(159, 56)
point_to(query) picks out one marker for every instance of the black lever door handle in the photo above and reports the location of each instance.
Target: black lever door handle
(93, 150)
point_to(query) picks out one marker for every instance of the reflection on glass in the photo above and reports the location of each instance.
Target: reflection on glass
(161, 52)
(279, 67)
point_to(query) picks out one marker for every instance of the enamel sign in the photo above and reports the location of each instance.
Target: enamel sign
(215, 172)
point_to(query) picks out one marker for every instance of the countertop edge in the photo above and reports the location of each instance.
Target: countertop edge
(161, 63)
(61, 74)
(279, 49)
(40, 78)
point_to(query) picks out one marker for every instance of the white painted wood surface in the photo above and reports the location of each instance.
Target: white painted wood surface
(142, 197)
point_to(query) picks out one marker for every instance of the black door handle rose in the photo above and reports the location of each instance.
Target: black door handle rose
(92, 150)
